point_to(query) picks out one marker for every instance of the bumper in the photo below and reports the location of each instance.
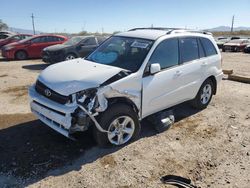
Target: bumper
(55, 115)
(7, 54)
(49, 58)
(233, 48)
(219, 78)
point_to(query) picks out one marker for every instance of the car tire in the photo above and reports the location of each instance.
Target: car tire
(116, 119)
(70, 56)
(204, 95)
(21, 55)
(223, 50)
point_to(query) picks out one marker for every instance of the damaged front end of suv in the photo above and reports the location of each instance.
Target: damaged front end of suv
(76, 112)
(102, 90)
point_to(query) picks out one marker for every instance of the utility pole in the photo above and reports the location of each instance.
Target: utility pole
(232, 26)
(33, 24)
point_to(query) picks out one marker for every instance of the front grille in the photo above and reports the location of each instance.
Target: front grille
(54, 96)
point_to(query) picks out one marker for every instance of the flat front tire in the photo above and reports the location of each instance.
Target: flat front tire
(122, 124)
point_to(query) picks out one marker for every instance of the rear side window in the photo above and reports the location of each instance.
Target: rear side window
(208, 46)
(166, 54)
(188, 49)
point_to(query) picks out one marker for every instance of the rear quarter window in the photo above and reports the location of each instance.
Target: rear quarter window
(208, 47)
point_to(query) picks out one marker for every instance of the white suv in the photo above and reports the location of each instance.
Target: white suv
(131, 76)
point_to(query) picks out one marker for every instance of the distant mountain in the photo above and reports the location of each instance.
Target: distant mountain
(26, 31)
(227, 28)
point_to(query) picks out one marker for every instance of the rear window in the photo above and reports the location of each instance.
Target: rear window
(188, 49)
(208, 47)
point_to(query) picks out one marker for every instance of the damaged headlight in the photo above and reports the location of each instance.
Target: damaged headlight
(87, 98)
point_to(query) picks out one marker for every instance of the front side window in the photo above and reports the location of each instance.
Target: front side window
(188, 49)
(37, 40)
(74, 40)
(208, 46)
(166, 54)
(124, 52)
(90, 41)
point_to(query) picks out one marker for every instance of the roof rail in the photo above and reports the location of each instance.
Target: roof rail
(172, 30)
(154, 28)
(190, 31)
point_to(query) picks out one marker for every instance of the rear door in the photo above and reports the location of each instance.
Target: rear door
(193, 67)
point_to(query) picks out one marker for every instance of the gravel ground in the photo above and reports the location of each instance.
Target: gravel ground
(211, 147)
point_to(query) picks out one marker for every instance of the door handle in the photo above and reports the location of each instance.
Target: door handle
(178, 73)
(204, 64)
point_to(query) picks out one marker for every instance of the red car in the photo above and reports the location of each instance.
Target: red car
(31, 47)
(13, 38)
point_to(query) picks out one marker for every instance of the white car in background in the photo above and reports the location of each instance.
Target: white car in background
(131, 76)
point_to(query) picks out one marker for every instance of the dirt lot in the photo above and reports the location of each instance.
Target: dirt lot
(212, 147)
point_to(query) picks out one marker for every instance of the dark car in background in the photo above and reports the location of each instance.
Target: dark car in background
(236, 45)
(77, 46)
(13, 38)
(5, 34)
(247, 49)
(31, 47)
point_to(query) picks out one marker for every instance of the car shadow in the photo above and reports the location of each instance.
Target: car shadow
(32, 151)
(36, 67)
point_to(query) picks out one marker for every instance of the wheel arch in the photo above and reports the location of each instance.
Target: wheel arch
(213, 79)
(21, 50)
(123, 100)
(71, 52)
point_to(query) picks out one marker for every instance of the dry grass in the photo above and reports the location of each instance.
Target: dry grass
(235, 33)
(3, 75)
(17, 91)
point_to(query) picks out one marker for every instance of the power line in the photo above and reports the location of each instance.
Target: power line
(33, 24)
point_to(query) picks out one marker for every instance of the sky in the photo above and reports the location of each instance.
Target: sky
(119, 15)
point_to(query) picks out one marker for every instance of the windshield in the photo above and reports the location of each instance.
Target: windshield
(27, 39)
(74, 40)
(126, 53)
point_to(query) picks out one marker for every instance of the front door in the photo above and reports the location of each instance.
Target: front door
(160, 89)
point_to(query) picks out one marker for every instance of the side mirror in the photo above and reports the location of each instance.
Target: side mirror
(154, 68)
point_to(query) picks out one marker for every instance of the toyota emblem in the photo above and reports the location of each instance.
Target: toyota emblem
(47, 92)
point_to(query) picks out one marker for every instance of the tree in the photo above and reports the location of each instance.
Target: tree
(3, 25)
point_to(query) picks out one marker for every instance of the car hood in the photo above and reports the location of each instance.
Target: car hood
(75, 75)
(232, 44)
(56, 47)
(12, 44)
